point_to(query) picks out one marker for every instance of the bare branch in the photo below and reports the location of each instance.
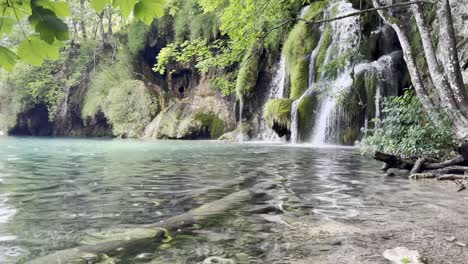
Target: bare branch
(358, 13)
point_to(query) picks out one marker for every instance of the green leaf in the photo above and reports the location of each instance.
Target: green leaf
(99, 5)
(6, 25)
(148, 10)
(23, 6)
(51, 28)
(126, 6)
(35, 50)
(7, 59)
(61, 9)
(48, 25)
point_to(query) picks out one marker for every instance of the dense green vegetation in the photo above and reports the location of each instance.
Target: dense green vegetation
(45, 31)
(128, 61)
(406, 130)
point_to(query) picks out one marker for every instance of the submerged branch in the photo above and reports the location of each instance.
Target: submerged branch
(154, 232)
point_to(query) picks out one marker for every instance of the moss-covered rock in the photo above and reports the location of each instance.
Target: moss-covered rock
(211, 122)
(248, 73)
(355, 105)
(203, 114)
(299, 45)
(128, 106)
(306, 116)
(278, 111)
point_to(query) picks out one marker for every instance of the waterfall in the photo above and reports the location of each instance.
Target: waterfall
(345, 40)
(279, 80)
(327, 123)
(240, 135)
(295, 104)
(64, 107)
(276, 92)
(385, 70)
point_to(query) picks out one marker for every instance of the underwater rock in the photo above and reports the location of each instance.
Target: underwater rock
(392, 172)
(400, 255)
(218, 260)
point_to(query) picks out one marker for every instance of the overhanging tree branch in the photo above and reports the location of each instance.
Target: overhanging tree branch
(358, 13)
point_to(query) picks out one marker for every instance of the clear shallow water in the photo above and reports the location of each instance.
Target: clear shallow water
(55, 191)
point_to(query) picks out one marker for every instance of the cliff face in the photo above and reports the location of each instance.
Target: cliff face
(322, 85)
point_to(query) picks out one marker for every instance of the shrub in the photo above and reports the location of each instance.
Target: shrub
(407, 130)
(125, 102)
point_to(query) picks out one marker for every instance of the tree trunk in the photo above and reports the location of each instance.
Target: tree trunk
(439, 79)
(449, 58)
(415, 74)
(82, 23)
(101, 28)
(109, 19)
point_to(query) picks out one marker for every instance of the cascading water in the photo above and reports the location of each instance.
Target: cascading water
(385, 71)
(295, 104)
(64, 107)
(276, 92)
(345, 41)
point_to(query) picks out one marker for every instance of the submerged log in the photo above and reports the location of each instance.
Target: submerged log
(154, 232)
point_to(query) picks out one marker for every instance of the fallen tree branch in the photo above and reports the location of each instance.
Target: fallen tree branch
(455, 161)
(358, 13)
(450, 169)
(393, 161)
(451, 177)
(238, 181)
(418, 165)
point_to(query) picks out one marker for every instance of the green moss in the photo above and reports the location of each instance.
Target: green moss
(127, 104)
(278, 111)
(327, 37)
(298, 46)
(136, 36)
(305, 114)
(212, 122)
(315, 10)
(350, 135)
(248, 74)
